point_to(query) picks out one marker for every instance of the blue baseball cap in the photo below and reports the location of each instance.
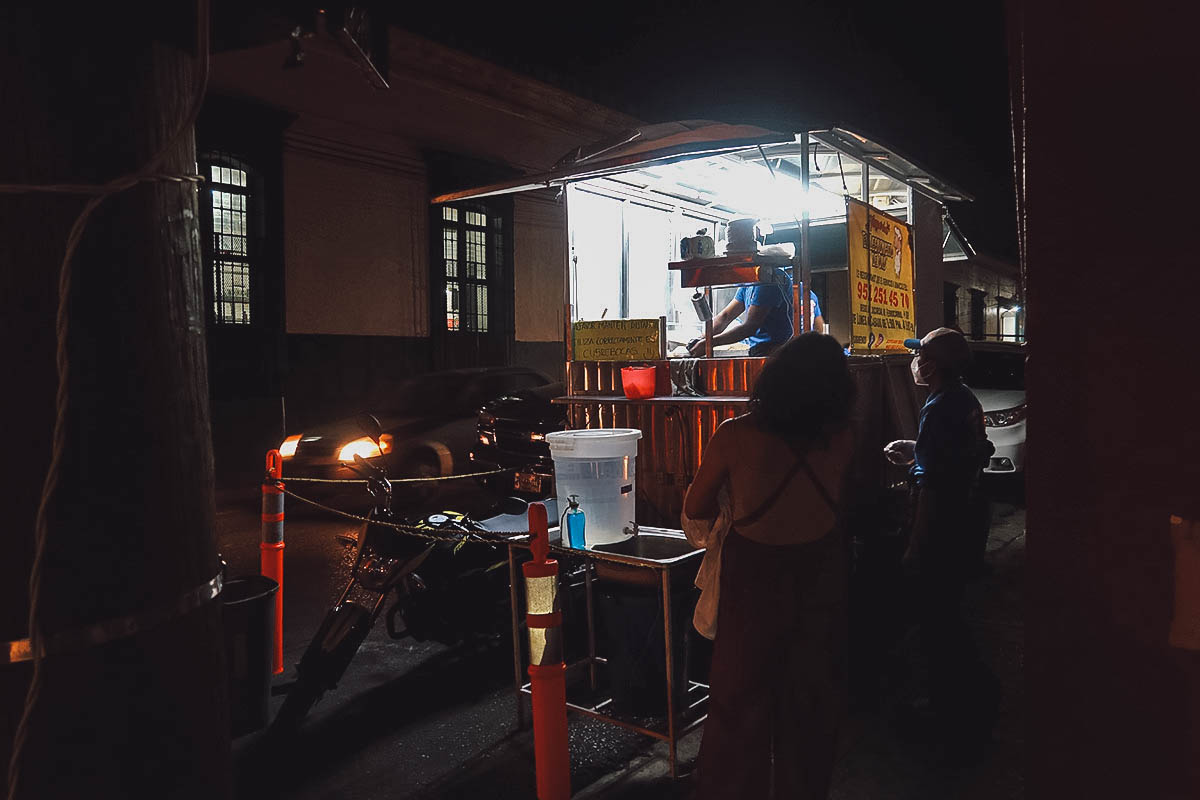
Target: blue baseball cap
(945, 347)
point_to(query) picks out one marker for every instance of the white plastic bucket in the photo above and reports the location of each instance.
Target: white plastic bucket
(599, 467)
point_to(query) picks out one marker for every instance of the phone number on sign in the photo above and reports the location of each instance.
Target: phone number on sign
(881, 295)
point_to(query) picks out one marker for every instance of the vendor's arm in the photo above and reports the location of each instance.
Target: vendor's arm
(724, 333)
(754, 319)
(814, 307)
(727, 315)
(700, 502)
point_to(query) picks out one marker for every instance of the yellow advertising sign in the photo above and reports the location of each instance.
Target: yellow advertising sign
(882, 313)
(617, 340)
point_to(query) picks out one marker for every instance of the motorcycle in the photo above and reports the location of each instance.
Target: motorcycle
(459, 596)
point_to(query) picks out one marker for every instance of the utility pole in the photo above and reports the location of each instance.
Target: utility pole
(136, 708)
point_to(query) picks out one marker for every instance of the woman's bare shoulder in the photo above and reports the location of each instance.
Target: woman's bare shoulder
(740, 422)
(734, 428)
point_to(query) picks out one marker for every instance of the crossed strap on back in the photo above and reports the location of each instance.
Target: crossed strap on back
(766, 505)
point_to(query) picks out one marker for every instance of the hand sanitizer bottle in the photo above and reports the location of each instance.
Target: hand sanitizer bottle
(574, 524)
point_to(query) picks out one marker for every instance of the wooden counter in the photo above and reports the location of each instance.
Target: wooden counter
(665, 399)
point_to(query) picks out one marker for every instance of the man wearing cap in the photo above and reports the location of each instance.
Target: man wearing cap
(945, 463)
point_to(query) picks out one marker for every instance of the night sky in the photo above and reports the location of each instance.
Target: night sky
(930, 78)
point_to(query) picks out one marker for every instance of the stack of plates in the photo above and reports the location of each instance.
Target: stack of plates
(741, 236)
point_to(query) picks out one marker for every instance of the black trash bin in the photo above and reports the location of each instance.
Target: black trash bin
(248, 606)
(631, 632)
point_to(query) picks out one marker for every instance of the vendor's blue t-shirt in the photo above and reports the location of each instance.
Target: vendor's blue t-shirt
(777, 327)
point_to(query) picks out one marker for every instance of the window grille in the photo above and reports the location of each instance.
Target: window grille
(230, 240)
(472, 255)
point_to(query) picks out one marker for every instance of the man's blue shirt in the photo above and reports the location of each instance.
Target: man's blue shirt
(777, 327)
(949, 439)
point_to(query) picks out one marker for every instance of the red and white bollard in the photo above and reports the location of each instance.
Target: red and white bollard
(547, 673)
(272, 543)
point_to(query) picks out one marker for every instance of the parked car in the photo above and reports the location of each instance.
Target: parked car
(512, 433)
(428, 424)
(997, 377)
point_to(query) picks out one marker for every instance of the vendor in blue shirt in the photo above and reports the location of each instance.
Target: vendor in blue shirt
(768, 317)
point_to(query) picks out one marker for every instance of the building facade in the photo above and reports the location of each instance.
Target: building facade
(329, 274)
(981, 294)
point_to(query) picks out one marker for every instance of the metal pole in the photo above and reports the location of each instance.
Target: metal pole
(569, 270)
(708, 326)
(623, 299)
(666, 593)
(516, 637)
(591, 623)
(271, 546)
(805, 259)
(866, 198)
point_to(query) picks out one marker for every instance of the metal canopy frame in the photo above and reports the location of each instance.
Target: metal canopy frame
(634, 151)
(693, 139)
(887, 161)
(668, 143)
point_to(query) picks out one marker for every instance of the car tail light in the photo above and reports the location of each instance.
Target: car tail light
(1004, 417)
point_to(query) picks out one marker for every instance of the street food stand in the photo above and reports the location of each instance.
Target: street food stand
(833, 208)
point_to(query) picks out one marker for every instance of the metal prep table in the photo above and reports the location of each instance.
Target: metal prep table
(656, 557)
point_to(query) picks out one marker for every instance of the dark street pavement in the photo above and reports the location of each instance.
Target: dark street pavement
(420, 720)
(405, 713)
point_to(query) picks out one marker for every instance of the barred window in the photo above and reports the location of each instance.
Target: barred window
(472, 248)
(230, 248)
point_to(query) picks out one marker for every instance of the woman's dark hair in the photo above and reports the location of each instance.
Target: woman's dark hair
(805, 393)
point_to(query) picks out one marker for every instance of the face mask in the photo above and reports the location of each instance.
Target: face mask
(921, 373)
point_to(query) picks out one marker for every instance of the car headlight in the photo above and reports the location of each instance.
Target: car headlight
(288, 448)
(1004, 417)
(366, 448)
(485, 437)
(537, 437)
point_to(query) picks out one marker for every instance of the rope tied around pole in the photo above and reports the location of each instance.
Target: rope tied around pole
(149, 172)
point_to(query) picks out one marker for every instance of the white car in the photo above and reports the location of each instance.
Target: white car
(997, 377)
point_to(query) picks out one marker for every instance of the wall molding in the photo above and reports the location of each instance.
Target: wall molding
(331, 149)
(423, 61)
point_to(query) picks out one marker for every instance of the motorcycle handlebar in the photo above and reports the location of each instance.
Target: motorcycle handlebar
(376, 477)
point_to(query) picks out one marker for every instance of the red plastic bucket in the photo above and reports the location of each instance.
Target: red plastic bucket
(638, 382)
